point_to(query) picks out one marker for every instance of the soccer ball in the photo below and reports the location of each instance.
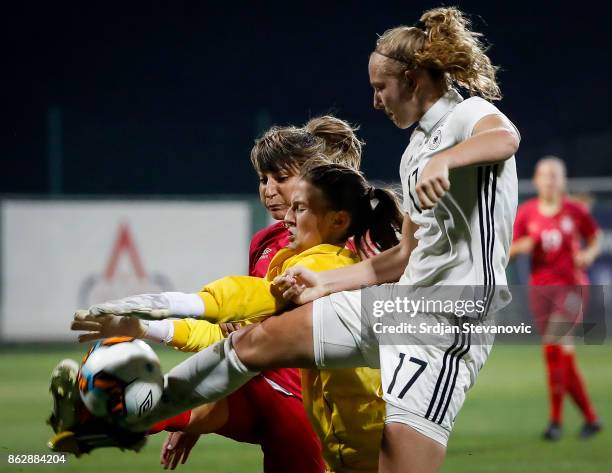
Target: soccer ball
(120, 378)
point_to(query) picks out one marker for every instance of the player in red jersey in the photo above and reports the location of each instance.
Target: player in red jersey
(268, 410)
(563, 241)
(277, 158)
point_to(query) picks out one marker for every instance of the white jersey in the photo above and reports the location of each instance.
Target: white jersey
(465, 238)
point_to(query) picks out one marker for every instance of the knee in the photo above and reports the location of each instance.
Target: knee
(405, 450)
(248, 344)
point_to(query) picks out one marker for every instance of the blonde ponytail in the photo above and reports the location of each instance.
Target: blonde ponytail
(444, 44)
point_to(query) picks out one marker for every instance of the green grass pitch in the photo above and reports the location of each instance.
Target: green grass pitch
(498, 429)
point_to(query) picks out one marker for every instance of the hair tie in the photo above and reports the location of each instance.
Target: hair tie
(372, 197)
(310, 137)
(421, 26)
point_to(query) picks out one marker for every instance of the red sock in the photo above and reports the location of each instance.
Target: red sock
(577, 389)
(173, 424)
(556, 380)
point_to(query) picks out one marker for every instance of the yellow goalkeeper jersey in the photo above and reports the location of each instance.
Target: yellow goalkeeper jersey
(344, 405)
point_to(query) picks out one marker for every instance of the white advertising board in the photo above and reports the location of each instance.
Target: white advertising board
(58, 256)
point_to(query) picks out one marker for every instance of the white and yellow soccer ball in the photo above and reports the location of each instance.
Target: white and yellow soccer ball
(120, 379)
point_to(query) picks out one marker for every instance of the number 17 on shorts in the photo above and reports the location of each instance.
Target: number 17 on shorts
(425, 385)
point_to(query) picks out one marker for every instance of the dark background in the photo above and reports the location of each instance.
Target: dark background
(168, 99)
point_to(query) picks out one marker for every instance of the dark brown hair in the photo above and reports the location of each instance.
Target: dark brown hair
(371, 209)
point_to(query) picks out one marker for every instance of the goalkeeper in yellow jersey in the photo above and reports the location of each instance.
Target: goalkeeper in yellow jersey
(331, 203)
(277, 157)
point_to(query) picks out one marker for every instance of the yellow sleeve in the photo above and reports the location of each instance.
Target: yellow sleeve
(239, 297)
(195, 335)
(322, 262)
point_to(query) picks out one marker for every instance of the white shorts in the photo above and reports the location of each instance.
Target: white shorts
(424, 386)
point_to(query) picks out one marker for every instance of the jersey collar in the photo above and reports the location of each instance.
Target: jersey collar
(439, 109)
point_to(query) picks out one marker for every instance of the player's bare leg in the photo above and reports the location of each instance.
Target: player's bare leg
(404, 450)
(278, 342)
(219, 370)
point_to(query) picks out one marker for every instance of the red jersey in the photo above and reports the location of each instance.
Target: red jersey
(264, 245)
(557, 239)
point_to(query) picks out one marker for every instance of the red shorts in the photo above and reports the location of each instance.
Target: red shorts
(260, 414)
(567, 303)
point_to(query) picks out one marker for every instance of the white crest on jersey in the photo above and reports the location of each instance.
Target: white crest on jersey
(567, 224)
(465, 238)
(435, 140)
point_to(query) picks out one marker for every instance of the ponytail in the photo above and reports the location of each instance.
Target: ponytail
(341, 144)
(385, 220)
(374, 212)
(443, 44)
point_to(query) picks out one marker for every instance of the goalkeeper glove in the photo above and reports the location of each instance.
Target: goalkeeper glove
(152, 306)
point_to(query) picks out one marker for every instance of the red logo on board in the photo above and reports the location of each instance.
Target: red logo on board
(123, 276)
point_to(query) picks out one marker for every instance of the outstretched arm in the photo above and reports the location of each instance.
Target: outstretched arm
(228, 298)
(301, 285)
(188, 335)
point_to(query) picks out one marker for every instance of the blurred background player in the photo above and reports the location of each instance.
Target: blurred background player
(331, 202)
(563, 241)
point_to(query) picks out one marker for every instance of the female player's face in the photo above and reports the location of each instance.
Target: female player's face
(391, 93)
(275, 190)
(309, 220)
(549, 180)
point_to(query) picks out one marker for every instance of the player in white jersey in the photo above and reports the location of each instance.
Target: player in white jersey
(478, 213)
(460, 193)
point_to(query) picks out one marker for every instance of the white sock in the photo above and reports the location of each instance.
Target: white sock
(160, 331)
(184, 305)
